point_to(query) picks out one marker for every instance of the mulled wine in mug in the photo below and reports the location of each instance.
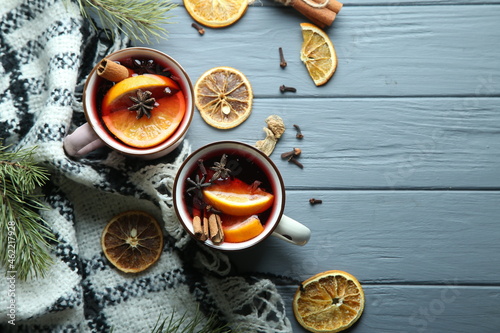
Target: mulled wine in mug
(231, 196)
(138, 101)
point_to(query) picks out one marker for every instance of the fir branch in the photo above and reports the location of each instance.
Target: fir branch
(24, 236)
(194, 324)
(139, 20)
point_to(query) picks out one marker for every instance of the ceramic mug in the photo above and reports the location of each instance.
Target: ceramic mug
(240, 154)
(93, 134)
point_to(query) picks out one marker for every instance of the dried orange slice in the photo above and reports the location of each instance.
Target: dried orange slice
(240, 229)
(329, 302)
(166, 115)
(132, 241)
(223, 95)
(318, 54)
(216, 13)
(235, 197)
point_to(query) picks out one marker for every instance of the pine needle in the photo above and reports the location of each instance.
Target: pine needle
(140, 20)
(24, 236)
(196, 324)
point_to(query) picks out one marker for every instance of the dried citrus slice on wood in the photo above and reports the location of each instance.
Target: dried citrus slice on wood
(329, 302)
(235, 197)
(216, 13)
(166, 114)
(223, 95)
(132, 241)
(240, 229)
(318, 54)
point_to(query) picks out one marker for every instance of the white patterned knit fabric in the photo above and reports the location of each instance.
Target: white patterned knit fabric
(46, 50)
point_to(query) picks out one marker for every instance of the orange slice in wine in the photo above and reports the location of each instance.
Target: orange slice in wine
(235, 197)
(165, 116)
(239, 229)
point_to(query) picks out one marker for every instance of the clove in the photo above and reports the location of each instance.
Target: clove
(299, 134)
(284, 89)
(297, 163)
(313, 201)
(282, 58)
(201, 31)
(290, 154)
(202, 168)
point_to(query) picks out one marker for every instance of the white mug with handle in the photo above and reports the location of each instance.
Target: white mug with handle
(94, 134)
(275, 223)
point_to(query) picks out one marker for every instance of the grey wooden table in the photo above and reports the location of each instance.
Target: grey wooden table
(402, 146)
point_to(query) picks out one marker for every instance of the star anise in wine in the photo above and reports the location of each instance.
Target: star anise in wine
(220, 169)
(143, 103)
(141, 66)
(197, 184)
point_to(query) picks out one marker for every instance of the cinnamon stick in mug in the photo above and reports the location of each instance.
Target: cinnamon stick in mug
(112, 71)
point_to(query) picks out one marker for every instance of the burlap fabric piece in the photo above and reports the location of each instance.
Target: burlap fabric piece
(46, 50)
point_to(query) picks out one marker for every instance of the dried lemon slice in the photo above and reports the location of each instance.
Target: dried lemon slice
(318, 54)
(132, 241)
(216, 13)
(223, 95)
(329, 302)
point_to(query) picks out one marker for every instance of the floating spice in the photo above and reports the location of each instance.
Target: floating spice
(112, 71)
(143, 103)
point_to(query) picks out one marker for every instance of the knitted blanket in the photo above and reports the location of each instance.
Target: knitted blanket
(46, 51)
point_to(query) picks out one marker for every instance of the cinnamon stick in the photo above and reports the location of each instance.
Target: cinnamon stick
(206, 232)
(333, 5)
(215, 226)
(198, 228)
(112, 71)
(319, 16)
(198, 223)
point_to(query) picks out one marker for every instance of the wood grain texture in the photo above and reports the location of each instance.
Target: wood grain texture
(382, 51)
(447, 143)
(430, 309)
(413, 237)
(402, 146)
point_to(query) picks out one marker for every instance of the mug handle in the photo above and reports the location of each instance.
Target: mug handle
(82, 141)
(292, 231)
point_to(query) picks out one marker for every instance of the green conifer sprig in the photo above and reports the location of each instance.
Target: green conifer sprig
(140, 20)
(24, 236)
(190, 325)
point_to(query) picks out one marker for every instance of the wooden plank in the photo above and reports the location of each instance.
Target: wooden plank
(411, 309)
(406, 237)
(382, 51)
(447, 143)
